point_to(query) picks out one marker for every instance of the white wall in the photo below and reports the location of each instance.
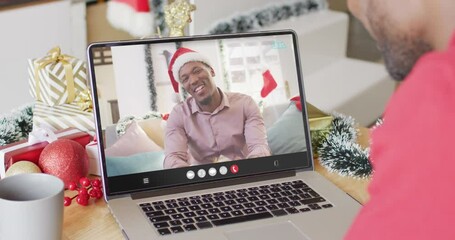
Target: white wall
(30, 32)
(130, 73)
(105, 86)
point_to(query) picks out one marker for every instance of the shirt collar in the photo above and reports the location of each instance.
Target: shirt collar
(224, 103)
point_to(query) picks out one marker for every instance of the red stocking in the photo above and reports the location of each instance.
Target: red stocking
(269, 83)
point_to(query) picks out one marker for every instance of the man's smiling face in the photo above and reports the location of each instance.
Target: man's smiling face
(197, 79)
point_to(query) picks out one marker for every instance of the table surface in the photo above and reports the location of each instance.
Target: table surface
(96, 222)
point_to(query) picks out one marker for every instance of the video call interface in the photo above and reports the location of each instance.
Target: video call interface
(232, 99)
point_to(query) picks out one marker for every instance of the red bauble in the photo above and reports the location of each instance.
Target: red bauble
(65, 159)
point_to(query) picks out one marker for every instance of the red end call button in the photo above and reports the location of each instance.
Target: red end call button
(234, 169)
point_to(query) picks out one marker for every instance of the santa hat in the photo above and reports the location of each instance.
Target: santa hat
(132, 16)
(180, 57)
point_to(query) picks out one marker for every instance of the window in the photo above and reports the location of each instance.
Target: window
(245, 63)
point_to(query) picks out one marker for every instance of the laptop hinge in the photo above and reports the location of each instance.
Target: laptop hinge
(215, 184)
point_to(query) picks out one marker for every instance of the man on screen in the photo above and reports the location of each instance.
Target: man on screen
(210, 125)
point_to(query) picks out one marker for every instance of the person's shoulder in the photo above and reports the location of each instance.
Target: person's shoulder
(183, 107)
(429, 85)
(437, 60)
(238, 96)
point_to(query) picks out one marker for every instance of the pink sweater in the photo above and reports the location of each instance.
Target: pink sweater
(413, 153)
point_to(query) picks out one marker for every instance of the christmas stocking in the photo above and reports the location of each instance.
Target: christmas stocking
(269, 83)
(132, 16)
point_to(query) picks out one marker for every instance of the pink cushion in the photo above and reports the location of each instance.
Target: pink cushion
(134, 141)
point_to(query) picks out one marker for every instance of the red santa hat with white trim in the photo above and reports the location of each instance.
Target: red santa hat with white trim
(181, 57)
(132, 16)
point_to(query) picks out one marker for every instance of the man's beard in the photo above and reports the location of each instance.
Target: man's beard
(400, 50)
(206, 101)
(401, 54)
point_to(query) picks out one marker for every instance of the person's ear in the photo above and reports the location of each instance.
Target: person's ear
(212, 72)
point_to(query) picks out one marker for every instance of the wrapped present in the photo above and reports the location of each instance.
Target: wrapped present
(31, 150)
(93, 158)
(57, 78)
(320, 123)
(62, 117)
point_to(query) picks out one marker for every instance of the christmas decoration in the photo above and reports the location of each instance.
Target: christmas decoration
(56, 78)
(180, 58)
(62, 117)
(177, 16)
(269, 83)
(150, 77)
(84, 101)
(16, 125)
(132, 16)
(339, 151)
(267, 16)
(85, 189)
(22, 167)
(65, 159)
(226, 79)
(31, 149)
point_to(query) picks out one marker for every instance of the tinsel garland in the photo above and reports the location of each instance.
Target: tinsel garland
(339, 151)
(227, 83)
(150, 77)
(16, 125)
(158, 13)
(267, 16)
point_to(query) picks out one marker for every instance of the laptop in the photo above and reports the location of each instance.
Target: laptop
(175, 168)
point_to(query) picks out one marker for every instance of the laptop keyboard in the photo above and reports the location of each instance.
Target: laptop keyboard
(233, 206)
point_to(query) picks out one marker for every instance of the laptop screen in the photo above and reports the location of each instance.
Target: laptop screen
(178, 111)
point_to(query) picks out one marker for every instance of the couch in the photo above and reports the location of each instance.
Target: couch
(140, 148)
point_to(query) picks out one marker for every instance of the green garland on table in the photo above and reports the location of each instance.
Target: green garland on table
(16, 126)
(339, 152)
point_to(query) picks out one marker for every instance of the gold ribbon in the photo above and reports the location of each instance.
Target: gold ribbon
(84, 101)
(54, 56)
(318, 119)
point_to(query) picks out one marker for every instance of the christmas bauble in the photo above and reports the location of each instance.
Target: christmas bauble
(22, 167)
(65, 159)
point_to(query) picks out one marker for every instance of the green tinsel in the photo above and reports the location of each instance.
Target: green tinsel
(150, 76)
(339, 151)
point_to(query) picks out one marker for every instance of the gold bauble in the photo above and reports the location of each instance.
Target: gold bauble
(22, 167)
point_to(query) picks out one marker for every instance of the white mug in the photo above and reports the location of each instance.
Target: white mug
(31, 207)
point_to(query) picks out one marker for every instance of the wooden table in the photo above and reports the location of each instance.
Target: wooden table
(96, 222)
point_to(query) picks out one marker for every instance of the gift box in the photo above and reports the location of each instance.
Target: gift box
(62, 117)
(57, 78)
(320, 123)
(23, 150)
(93, 158)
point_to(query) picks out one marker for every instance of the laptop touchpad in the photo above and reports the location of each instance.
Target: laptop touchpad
(283, 230)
